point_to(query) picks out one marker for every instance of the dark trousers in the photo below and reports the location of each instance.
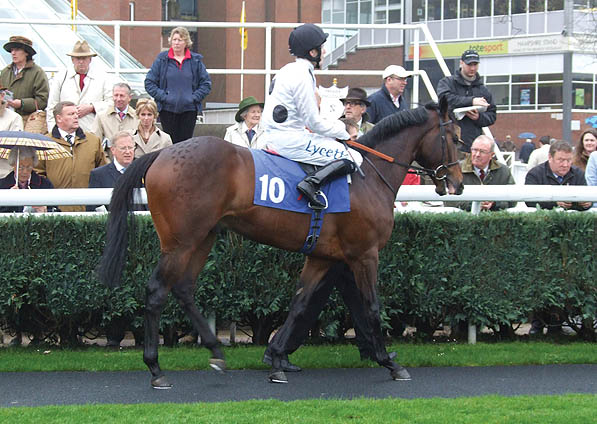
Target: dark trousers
(341, 277)
(180, 126)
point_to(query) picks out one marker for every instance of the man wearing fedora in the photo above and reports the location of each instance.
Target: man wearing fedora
(88, 89)
(389, 98)
(247, 131)
(465, 88)
(26, 80)
(355, 108)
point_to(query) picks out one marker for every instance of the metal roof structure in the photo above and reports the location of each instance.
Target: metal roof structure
(53, 42)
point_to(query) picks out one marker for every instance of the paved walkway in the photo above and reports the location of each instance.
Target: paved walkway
(66, 388)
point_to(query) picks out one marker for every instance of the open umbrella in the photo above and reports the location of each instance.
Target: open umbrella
(46, 148)
(592, 120)
(526, 135)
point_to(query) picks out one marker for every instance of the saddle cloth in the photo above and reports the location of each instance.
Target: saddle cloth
(275, 185)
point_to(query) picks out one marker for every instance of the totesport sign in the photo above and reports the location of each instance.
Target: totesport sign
(521, 45)
(484, 48)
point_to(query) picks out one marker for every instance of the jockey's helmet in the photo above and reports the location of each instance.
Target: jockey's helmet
(305, 38)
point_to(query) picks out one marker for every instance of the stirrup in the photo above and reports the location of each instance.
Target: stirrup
(321, 194)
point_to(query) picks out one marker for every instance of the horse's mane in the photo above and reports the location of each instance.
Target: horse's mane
(392, 124)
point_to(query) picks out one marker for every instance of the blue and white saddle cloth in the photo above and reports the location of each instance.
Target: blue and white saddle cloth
(276, 179)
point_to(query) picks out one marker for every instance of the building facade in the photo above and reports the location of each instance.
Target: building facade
(533, 51)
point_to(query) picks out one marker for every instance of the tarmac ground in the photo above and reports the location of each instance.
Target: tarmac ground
(78, 388)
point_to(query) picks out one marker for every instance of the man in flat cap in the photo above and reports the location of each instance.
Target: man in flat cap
(88, 89)
(465, 88)
(390, 97)
(26, 80)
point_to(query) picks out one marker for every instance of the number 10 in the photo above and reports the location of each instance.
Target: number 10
(271, 187)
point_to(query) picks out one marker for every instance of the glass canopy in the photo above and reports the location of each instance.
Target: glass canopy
(53, 42)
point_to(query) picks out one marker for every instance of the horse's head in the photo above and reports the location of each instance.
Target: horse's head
(438, 152)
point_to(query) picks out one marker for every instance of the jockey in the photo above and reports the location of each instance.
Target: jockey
(292, 107)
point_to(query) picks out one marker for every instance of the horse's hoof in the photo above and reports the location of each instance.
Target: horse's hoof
(400, 374)
(161, 383)
(217, 364)
(277, 377)
(285, 364)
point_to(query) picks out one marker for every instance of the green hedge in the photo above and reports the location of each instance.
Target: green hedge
(493, 269)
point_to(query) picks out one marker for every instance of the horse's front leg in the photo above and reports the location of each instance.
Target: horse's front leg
(300, 319)
(365, 273)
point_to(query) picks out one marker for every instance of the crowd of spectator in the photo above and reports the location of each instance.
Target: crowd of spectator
(93, 118)
(86, 109)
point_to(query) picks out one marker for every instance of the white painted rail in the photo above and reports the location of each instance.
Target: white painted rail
(407, 193)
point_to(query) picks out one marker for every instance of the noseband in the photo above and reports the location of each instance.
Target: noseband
(440, 173)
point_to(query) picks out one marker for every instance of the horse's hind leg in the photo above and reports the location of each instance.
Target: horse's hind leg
(156, 294)
(184, 291)
(177, 270)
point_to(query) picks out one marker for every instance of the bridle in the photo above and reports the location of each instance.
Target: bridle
(440, 173)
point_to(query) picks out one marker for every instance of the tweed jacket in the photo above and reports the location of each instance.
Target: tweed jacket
(30, 86)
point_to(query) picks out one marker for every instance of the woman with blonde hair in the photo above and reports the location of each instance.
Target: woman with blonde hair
(148, 137)
(179, 82)
(587, 144)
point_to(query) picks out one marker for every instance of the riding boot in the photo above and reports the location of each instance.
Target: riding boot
(310, 185)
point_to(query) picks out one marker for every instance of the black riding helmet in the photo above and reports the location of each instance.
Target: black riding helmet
(305, 38)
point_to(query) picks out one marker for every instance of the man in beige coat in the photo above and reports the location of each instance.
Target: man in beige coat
(120, 117)
(90, 90)
(86, 149)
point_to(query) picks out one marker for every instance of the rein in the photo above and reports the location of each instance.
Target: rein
(440, 173)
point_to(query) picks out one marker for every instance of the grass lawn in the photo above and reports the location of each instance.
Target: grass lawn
(569, 409)
(332, 356)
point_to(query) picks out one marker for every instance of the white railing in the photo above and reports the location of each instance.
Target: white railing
(407, 193)
(267, 69)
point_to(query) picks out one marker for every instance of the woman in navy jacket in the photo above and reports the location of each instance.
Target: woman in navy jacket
(178, 81)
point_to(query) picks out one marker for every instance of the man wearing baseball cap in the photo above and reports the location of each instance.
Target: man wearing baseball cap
(465, 88)
(389, 98)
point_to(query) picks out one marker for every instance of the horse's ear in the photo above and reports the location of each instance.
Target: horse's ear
(443, 106)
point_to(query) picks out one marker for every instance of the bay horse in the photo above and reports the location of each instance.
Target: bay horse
(196, 187)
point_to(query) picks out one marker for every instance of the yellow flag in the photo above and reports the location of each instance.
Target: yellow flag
(244, 37)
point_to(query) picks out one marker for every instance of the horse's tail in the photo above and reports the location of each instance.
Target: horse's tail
(111, 265)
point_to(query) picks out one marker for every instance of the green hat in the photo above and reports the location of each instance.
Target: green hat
(245, 104)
